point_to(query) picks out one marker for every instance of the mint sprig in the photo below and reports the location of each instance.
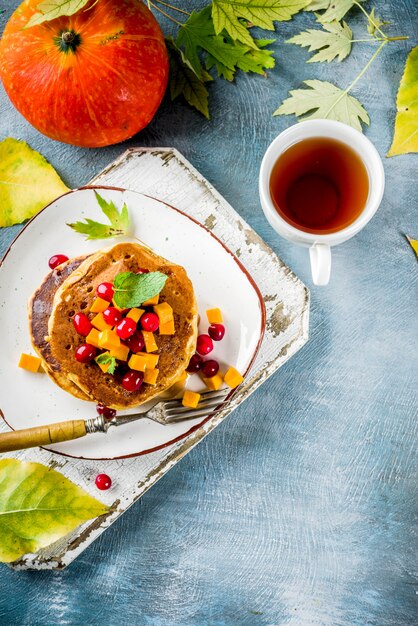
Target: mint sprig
(132, 289)
(106, 359)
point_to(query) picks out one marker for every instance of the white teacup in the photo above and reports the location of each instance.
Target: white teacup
(320, 245)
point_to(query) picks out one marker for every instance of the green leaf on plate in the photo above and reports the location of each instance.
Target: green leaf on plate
(118, 227)
(334, 41)
(227, 15)
(184, 80)
(27, 182)
(132, 289)
(51, 9)
(406, 123)
(38, 506)
(324, 100)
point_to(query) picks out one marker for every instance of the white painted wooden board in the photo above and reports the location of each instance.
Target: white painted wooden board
(165, 174)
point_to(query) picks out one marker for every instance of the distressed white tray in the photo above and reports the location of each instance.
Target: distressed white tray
(165, 174)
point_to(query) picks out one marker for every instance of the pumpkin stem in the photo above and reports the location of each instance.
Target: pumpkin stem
(68, 41)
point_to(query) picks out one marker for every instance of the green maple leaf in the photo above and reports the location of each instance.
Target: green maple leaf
(226, 15)
(324, 100)
(38, 506)
(51, 9)
(198, 34)
(334, 9)
(184, 80)
(119, 222)
(332, 42)
(255, 60)
(405, 138)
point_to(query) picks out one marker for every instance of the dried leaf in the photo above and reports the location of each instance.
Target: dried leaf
(27, 182)
(51, 9)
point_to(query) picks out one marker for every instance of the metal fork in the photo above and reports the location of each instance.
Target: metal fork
(164, 412)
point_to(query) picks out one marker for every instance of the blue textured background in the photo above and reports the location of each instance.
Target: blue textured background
(299, 509)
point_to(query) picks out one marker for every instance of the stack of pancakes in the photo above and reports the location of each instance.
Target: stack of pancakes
(71, 288)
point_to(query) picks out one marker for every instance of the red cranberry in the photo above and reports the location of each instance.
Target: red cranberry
(85, 353)
(216, 331)
(103, 482)
(150, 322)
(105, 291)
(194, 364)
(126, 328)
(132, 380)
(142, 271)
(107, 412)
(56, 260)
(112, 316)
(210, 368)
(82, 324)
(204, 344)
(135, 342)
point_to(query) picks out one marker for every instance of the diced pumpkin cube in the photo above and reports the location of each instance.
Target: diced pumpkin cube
(214, 382)
(121, 352)
(150, 376)
(233, 378)
(150, 345)
(104, 366)
(152, 301)
(99, 305)
(29, 362)
(214, 316)
(137, 362)
(191, 399)
(108, 339)
(135, 314)
(151, 359)
(164, 312)
(99, 322)
(167, 328)
(93, 338)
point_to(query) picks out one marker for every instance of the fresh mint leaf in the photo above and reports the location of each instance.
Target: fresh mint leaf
(51, 9)
(118, 227)
(106, 359)
(184, 80)
(132, 289)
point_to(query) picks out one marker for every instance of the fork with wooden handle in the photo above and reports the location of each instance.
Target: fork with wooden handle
(165, 412)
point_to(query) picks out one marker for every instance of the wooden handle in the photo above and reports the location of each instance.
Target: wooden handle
(42, 435)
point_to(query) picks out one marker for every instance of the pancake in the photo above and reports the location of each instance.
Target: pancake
(40, 309)
(78, 292)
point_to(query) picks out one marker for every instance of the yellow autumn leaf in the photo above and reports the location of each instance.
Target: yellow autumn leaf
(27, 182)
(406, 124)
(38, 506)
(414, 244)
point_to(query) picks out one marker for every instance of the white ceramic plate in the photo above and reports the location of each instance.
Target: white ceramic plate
(218, 278)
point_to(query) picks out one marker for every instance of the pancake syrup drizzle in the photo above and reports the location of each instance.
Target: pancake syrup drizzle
(319, 185)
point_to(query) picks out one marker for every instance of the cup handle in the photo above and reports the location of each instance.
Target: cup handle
(320, 256)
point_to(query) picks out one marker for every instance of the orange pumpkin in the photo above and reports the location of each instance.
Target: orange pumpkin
(92, 79)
